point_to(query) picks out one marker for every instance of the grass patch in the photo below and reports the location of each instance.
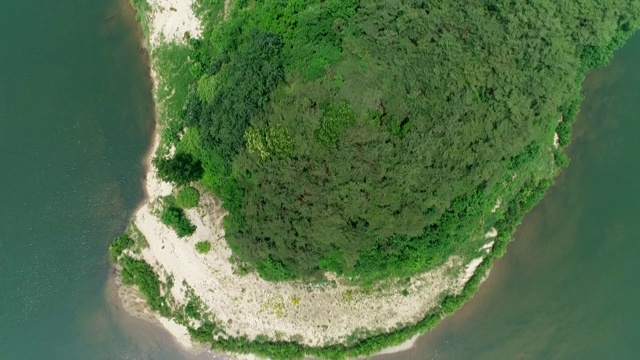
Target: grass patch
(173, 62)
(143, 14)
(188, 197)
(203, 247)
(139, 240)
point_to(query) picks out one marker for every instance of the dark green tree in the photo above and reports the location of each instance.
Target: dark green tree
(181, 169)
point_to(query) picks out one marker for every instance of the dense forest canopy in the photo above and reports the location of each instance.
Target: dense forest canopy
(373, 138)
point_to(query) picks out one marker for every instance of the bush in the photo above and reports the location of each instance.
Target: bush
(564, 133)
(191, 310)
(203, 247)
(175, 218)
(204, 333)
(188, 198)
(140, 273)
(562, 160)
(273, 270)
(119, 244)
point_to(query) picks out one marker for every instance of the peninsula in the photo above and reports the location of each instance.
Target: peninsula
(332, 178)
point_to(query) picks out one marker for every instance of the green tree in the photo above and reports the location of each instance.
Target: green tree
(181, 169)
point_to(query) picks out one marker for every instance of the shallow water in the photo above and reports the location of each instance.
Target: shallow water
(76, 118)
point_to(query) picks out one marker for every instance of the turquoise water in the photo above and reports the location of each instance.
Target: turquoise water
(569, 286)
(76, 118)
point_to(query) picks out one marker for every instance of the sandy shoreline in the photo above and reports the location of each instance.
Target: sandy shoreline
(313, 315)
